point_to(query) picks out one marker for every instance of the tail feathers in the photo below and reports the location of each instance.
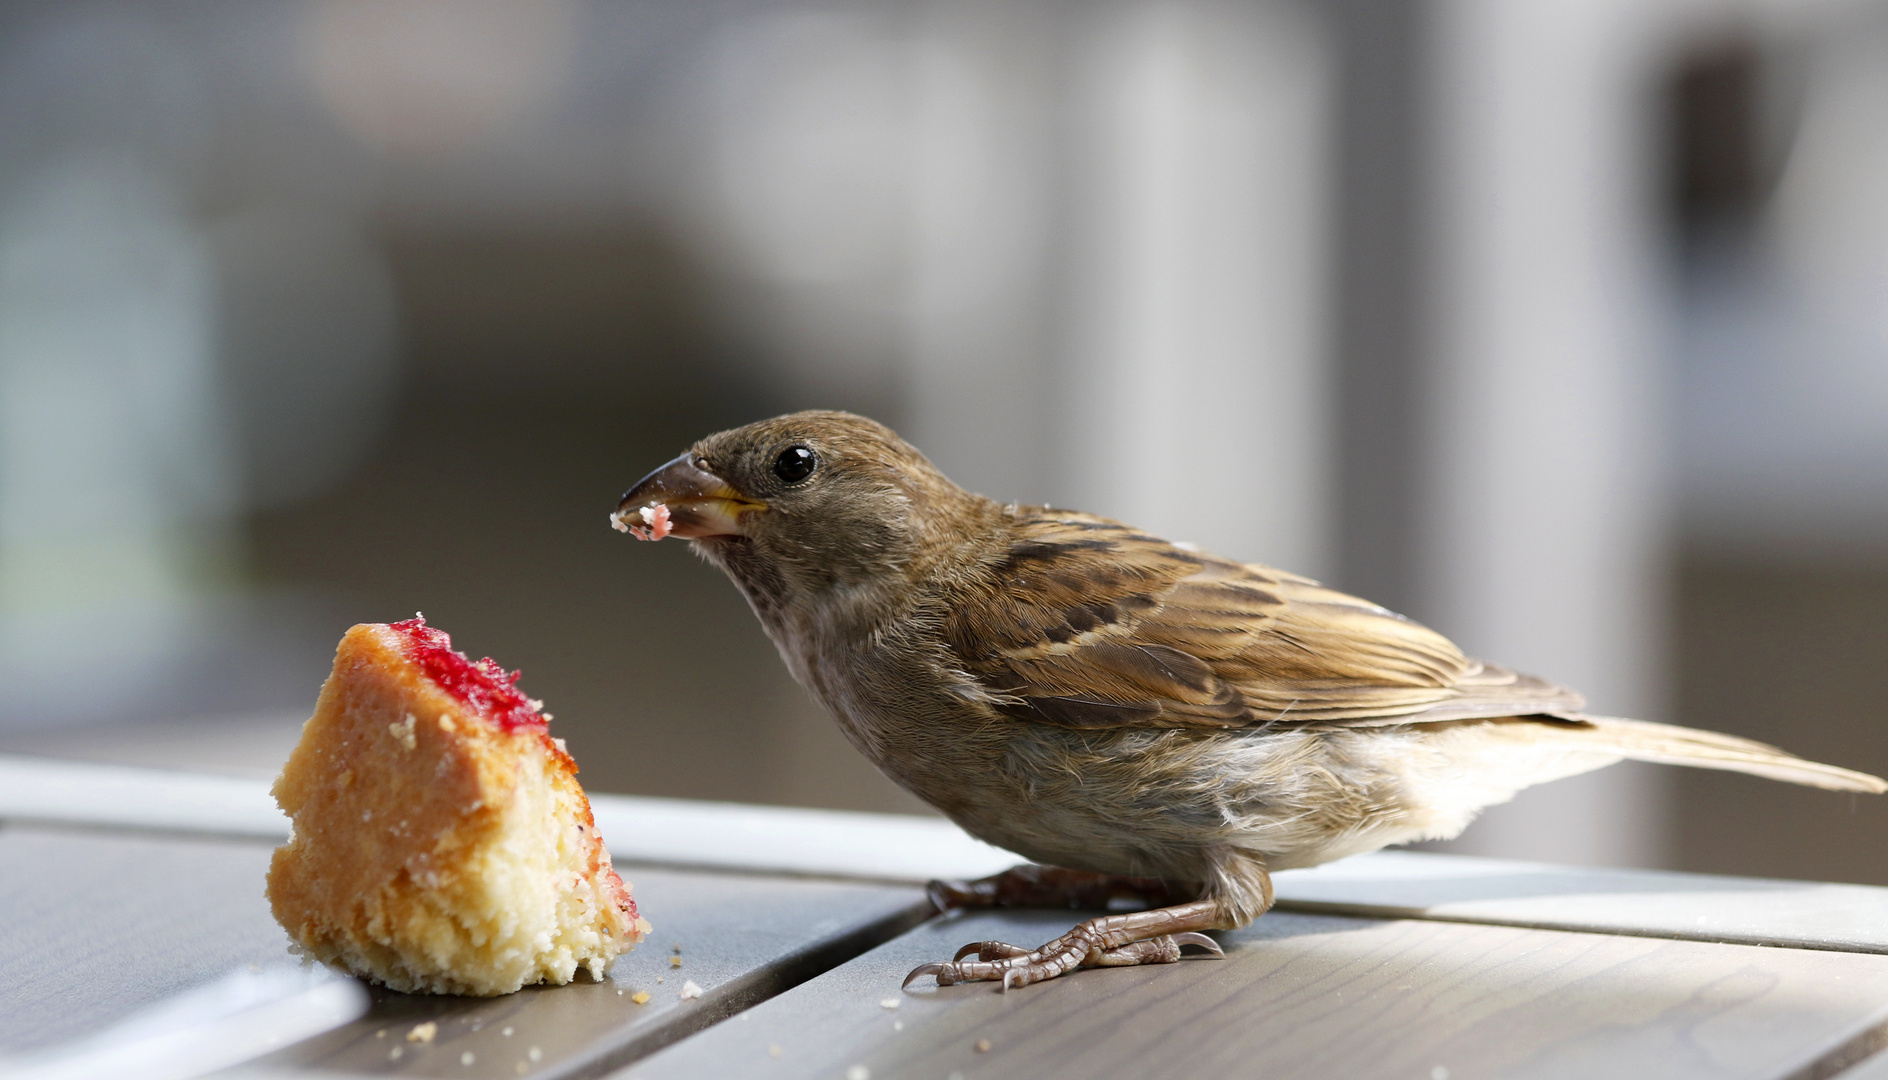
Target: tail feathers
(1646, 741)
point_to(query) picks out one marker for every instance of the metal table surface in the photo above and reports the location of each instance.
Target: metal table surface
(121, 888)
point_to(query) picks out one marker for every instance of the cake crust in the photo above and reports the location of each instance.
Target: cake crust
(436, 847)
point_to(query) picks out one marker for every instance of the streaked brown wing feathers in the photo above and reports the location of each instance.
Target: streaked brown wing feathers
(1087, 623)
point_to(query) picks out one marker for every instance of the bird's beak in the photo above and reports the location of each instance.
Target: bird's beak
(699, 503)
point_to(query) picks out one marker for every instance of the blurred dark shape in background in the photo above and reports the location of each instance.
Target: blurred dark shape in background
(1778, 153)
(1558, 326)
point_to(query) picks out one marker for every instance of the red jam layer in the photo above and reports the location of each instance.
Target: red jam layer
(484, 686)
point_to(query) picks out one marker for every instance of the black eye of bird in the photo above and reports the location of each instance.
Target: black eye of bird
(794, 464)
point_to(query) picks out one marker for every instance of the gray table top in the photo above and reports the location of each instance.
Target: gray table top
(799, 925)
(100, 924)
(1314, 997)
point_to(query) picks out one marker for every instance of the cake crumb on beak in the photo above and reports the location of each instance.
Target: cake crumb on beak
(655, 522)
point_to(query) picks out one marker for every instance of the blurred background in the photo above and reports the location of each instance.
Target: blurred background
(1559, 325)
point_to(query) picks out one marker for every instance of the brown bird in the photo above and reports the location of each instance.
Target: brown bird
(1141, 717)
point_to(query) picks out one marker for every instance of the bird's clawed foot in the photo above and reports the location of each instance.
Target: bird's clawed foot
(1144, 937)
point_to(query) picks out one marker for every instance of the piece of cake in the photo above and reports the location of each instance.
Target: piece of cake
(441, 842)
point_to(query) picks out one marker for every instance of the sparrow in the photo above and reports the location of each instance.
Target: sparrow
(1142, 718)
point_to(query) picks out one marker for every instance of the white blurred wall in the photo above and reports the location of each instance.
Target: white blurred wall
(1094, 240)
(1194, 397)
(1543, 538)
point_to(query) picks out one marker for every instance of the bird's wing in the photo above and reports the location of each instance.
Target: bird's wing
(1087, 623)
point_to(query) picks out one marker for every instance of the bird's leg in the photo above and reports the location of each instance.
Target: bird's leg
(1032, 885)
(1141, 937)
(1237, 891)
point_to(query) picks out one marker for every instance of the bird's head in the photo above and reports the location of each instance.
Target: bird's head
(803, 504)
